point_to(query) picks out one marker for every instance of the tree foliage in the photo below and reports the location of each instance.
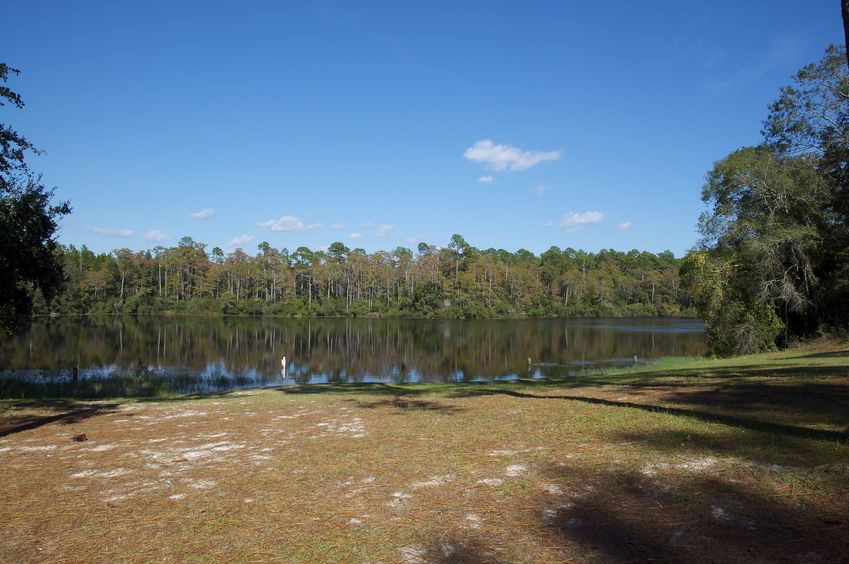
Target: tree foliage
(13, 145)
(773, 260)
(28, 223)
(458, 281)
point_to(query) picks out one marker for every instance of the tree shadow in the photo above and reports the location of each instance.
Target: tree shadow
(624, 516)
(381, 389)
(829, 354)
(403, 404)
(812, 403)
(769, 453)
(706, 416)
(69, 412)
(222, 394)
(456, 548)
(376, 388)
(751, 371)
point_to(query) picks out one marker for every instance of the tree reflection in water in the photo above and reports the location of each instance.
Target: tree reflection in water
(155, 355)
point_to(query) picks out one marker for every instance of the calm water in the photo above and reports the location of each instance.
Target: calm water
(152, 355)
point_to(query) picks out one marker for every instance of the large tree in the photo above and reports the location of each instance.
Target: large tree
(811, 119)
(29, 259)
(774, 261)
(755, 268)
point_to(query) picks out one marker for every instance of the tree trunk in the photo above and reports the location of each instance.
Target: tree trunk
(844, 10)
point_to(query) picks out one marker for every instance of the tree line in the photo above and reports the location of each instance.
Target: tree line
(457, 281)
(773, 263)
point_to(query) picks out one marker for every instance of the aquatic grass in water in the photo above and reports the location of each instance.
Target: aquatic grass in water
(141, 384)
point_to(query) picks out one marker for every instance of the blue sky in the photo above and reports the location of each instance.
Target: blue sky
(378, 124)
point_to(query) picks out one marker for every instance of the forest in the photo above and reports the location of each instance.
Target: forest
(457, 281)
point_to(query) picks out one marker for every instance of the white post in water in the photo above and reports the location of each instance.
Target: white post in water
(283, 366)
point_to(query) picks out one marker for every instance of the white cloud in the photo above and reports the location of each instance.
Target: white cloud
(240, 240)
(506, 157)
(337, 225)
(574, 221)
(204, 213)
(156, 235)
(288, 223)
(625, 225)
(113, 231)
(380, 229)
(542, 189)
(356, 235)
(486, 180)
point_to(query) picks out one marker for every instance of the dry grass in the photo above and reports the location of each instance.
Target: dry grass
(697, 461)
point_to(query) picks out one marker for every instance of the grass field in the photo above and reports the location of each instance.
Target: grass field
(686, 460)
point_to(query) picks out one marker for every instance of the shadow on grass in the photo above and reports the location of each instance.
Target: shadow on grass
(616, 515)
(402, 404)
(706, 416)
(352, 388)
(69, 412)
(625, 516)
(766, 452)
(456, 547)
(223, 394)
(829, 354)
(378, 389)
(812, 403)
(749, 371)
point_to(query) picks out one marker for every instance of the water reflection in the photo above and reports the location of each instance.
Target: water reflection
(152, 355)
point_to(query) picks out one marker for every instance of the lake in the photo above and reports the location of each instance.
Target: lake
(148, 356)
